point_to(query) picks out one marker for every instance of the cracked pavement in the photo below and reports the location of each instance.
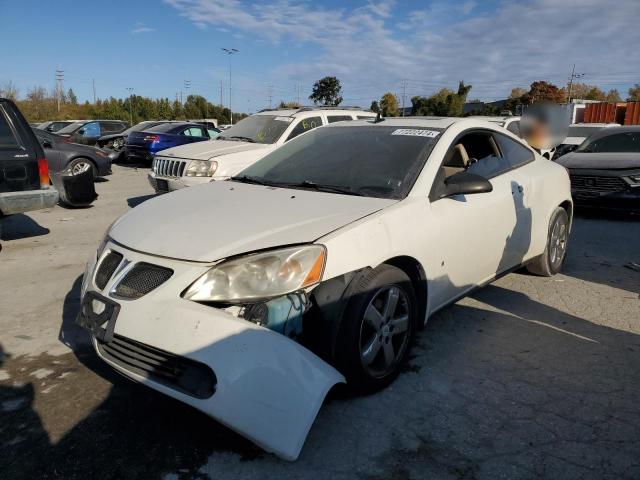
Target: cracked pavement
(528, 378)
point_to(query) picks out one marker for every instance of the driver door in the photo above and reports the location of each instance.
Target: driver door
(470, 232)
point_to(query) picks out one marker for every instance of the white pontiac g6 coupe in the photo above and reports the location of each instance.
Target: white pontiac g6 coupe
(250, 298)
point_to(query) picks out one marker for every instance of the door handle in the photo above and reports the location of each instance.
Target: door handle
(520, 189)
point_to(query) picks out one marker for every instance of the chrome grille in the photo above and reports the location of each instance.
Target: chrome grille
(597, 184)
(106, 269)
(166, 167)
(180, 373)
(141, 279)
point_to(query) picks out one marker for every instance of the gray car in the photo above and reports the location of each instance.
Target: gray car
(62, 154)
(605, 169)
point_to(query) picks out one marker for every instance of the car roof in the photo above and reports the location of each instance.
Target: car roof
(433, 122)
(290, 112)
(502, 118)
(595, 125)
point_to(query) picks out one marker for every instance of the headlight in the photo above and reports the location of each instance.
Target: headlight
(260, 276)
(635, 178)
(201, 168)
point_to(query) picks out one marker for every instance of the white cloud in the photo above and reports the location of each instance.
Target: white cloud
(141, 28)
(372, 47)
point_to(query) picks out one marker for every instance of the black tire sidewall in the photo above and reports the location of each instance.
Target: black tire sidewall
(348, 357)
(558, 213)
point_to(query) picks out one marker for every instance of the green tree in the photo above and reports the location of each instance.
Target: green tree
(612, 96)
(326, 91)
(374, 106)
(284, 104)
(71, 97)
(389, 105)
(634, 93)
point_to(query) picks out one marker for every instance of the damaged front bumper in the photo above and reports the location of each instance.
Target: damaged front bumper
(256, 381)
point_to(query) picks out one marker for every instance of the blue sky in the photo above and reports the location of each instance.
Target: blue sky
(154, 45)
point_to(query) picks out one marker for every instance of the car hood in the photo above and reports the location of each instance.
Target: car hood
(220, 219)
(211, 148)
(600, 161)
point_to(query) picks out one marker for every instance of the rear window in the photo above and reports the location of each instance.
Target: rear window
(7, 137)
(166, 128)
(338, 118)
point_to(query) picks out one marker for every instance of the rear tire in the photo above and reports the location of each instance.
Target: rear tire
(550, 262)
(377, 329)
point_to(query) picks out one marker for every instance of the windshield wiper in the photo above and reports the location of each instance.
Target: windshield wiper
(322, 187)
(246, 139)
(253, 180)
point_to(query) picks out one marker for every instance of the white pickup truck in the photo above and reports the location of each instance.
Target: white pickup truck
(240, 146)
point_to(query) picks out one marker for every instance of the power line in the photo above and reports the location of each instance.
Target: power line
(572, 77)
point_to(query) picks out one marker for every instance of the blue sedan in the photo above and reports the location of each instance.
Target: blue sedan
(142, 146)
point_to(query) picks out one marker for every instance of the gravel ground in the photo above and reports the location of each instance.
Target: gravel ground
(528, 378)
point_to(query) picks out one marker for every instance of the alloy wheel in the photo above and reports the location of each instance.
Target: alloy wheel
(384, 332)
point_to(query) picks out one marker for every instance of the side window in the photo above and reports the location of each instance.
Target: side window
(305, 125)
(484, 157)
(364, 117)
(193, 132)
(91, 129)
(7, 137)
(515, 154)
(514, 127)
(338, 118)
(212, 133)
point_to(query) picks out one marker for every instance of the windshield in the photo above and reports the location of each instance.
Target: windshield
(70, 128)
(624, 142)
(257, 129)
(372, 161)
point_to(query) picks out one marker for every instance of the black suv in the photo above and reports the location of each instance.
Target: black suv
(24, 173)
(87, 132)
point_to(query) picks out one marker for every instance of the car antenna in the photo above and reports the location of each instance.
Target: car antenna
(378, 118)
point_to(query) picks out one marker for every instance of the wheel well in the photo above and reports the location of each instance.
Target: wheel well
(415, 272)
(568, 206)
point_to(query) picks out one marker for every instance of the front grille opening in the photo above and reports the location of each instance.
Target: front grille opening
(106, 269)
(179, 373)
(597, 184)
(141, 279)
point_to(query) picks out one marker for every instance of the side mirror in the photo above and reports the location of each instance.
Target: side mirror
(465, 183)
(81, 131)
(46, 143)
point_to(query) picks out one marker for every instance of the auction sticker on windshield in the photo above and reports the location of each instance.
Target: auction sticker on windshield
(415, 132)
(284, 119)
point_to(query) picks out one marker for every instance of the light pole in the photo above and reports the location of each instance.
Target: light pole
(130, 90)
(229, 52)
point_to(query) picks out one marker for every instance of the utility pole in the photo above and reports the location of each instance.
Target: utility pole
(59, 79)
(404, 93)
(130, 90)
(572, 77)
(221, 93)
(298, 92)
(270, 93)
(93, 81)
(229, 52)
(187, 86)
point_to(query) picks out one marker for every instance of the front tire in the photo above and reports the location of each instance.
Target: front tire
(550, 262)
(377, 329)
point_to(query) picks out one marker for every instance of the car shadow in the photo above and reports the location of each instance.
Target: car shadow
(14, 227)
(135, 201)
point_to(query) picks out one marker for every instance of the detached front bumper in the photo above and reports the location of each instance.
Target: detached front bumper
(266, 386)
(26, 201)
